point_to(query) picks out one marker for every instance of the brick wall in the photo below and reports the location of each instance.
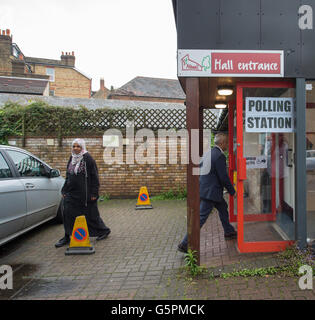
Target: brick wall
(68, 82)
(118, 180)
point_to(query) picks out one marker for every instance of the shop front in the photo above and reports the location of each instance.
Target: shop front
(230, 57)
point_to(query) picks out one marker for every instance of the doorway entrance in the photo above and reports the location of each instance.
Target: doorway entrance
(261, 164)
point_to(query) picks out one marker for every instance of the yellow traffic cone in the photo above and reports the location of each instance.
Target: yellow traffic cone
(80, 240)
(143, 199)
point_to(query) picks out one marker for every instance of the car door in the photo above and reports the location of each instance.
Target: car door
(12, 200)
(41, 192)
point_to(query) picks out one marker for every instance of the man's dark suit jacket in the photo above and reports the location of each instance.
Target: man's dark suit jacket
(212, 183)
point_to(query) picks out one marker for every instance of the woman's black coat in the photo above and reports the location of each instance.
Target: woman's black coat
(88, 182)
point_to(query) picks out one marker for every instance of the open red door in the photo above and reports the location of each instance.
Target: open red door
(264, 171)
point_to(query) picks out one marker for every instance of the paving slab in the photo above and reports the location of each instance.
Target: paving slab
(139, 260)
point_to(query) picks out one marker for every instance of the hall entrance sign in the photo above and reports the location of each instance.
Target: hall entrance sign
(222, 63)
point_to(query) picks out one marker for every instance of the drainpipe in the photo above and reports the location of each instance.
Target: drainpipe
(300, 165)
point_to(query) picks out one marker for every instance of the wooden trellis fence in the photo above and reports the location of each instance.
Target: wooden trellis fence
(60, 121)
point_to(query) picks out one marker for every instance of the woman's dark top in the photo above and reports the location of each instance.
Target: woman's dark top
(83, 185)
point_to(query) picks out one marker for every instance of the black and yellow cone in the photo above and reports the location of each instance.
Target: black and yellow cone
(80, 240)
(143, 199)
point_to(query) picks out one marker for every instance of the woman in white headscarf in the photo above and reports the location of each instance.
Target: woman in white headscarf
(80, 192)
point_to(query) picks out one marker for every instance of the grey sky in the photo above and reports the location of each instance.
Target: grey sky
(114, 39)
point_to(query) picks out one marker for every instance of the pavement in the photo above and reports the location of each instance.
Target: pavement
(139, 261)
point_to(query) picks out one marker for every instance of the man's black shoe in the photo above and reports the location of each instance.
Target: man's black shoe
(62, 242)
(231, 235)
(182, 248)
(103, 236)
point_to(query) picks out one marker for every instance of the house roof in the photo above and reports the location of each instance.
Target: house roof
(52, 62)
(89, 103)
(22, 85)
(44, 61)
(151, 87)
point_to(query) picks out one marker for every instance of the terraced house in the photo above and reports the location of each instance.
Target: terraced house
(40, 76)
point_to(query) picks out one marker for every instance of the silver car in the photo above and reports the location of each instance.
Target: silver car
(310, 160)
(29, 192)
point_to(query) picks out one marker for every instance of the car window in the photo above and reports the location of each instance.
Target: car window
(5, 171)
(27, 165)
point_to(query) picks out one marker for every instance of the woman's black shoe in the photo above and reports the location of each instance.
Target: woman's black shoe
(103, 236)
(231, 235)
(182, 248)
(62, 242)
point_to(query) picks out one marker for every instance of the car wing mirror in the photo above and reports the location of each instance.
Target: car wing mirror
(53, 173)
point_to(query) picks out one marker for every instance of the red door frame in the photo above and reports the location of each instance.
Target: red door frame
(261, 246)
(231, 106)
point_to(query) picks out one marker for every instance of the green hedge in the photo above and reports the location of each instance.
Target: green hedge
(39, 118)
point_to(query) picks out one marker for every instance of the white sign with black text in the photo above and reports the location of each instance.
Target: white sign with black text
(269, 114)
(258, 162)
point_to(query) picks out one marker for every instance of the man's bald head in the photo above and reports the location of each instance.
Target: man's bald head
(221, 140)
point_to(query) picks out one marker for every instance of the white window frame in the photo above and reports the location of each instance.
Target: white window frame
(51, 75)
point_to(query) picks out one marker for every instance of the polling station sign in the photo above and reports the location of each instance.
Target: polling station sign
(269, 114)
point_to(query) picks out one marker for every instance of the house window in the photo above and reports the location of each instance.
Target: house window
(51, 92)
(51, 73)
(15, 52)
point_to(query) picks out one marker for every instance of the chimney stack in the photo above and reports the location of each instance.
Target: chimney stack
(102, 84)
(67, 58)
(5, 48)
(5, 33)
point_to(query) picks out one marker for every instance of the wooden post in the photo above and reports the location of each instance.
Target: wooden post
(193, 202)
(201, 131)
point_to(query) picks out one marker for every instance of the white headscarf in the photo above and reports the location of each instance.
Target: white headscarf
(76, 158)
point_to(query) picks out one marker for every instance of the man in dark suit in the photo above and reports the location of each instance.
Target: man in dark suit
(213, 178)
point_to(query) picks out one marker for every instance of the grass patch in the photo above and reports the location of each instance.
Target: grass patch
(288, 263)
(171, 194)
(104, 197)
(290, 260)
(261, 272)
(293, 258)
(191, 264)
